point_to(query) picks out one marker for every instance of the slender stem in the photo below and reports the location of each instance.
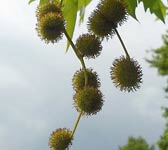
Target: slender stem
(76, 124)
(72, 44)
(85, 74)
(122, 43)
(86, 82)
(115, 28)
(78, 55)
(85, 71)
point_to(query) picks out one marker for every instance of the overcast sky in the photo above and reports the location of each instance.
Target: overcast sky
(36, 89)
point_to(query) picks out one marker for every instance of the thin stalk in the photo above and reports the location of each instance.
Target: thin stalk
(72, 44)
(76, 124)
(85, 71)
(86, 82)
(115, 29)
(122, 43)
(85, 74)
(77, 54)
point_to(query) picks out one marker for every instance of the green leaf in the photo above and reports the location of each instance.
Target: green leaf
(70, 8)
(147, 3)
(43, 1)
(132, 4)
(81, 7)
(30, 1)
(159, 9)
(83, 3)
(156, 7)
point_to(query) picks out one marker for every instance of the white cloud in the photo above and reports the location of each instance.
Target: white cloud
(10, 76)
(149, 102)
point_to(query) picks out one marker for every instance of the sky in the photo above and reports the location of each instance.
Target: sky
(36, 92)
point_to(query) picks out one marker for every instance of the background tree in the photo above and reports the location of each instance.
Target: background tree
(159, 60)
(163, 142)
(136, 144)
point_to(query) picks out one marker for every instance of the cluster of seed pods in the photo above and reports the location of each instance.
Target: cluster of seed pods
(125, 72)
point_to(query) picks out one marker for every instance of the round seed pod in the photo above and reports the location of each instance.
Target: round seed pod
(89, 101)
(89, 45)
(50, 27)
(114, 11)
(51, 7)
(79, 79)
(99, 25)
(126, 74)
(60, 139)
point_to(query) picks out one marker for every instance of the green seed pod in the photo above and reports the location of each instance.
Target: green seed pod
(126, 74)
(51, 7)
(89, 45)
(113, 10)
(60, 139)
(89, 101)
(99, 25)
(50, 27)
(79, 79)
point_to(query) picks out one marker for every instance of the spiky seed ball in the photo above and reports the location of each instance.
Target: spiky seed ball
(126, 74)
(114, 10)
(79, 79)
(60, 139)
(50, 27)
(50, 7)
(99, 25)
(89, 101)
(89, 45)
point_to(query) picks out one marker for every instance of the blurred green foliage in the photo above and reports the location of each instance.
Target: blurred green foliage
(163, 141)
(136, 144)
(159, 58)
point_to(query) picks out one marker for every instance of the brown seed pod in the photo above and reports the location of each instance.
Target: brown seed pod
(89, 45)
(99, 25)
(107, 16)
(50, 27)
(113, 10)
(89, 101)
(50, 7)
(126, 74)
(60, 139)
(79, 79)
